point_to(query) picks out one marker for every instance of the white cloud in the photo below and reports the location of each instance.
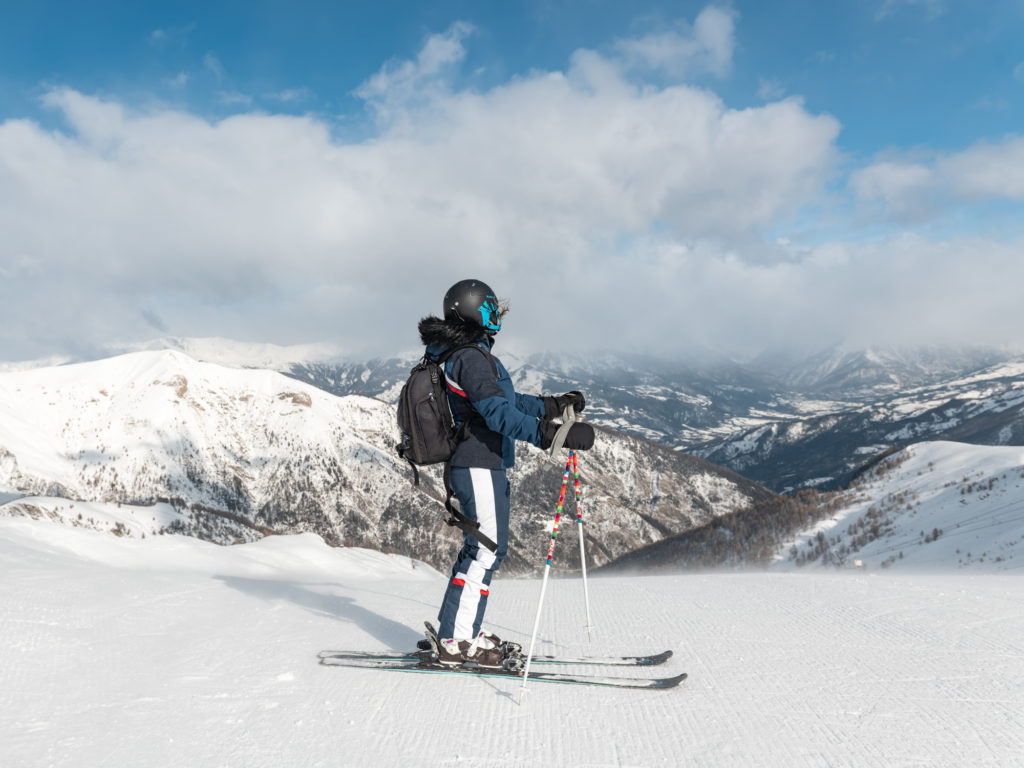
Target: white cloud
(660, 206)
(706, 46)
(1018, 72)
(908, 289)
(903, 290)
(262, 226)
(985, 171)
(614, 154)
(904, 188)
(98, 125)
(419, 80)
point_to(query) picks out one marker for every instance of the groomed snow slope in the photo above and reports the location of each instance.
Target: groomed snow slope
(170, 651)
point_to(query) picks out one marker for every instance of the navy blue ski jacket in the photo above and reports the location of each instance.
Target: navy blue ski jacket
(480, 391)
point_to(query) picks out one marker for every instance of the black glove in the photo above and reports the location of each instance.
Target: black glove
(554, 406)
(580, 437)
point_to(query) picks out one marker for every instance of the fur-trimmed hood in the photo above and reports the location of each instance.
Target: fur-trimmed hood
(445, 334)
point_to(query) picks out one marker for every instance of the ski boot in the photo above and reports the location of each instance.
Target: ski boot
(479, 652)
(511, 653)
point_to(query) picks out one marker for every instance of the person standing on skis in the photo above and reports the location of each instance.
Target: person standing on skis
(482, 398)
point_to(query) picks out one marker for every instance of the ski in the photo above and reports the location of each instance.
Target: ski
(426, 656)
(426, 667)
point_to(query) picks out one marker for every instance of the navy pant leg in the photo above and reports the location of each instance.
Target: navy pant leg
(483, 496)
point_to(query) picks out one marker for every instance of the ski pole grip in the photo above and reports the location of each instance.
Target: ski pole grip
(568, 419)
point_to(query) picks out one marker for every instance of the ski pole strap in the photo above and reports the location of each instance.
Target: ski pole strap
(568, 419)
(455, 518)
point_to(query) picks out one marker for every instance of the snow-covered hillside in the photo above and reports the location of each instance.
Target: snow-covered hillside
(133, 520)
(934, 505)
(237, 453)
(155, 426)
(170, 651)
(931, 505)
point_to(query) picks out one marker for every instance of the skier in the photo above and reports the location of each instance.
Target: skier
(480, 391)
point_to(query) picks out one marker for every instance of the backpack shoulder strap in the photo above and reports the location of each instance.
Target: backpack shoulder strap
(490, 358)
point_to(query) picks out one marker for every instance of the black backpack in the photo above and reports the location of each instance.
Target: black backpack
(428, 429)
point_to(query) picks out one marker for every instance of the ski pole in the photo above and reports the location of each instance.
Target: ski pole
(583, 554)
(547, 572)
(569, 417)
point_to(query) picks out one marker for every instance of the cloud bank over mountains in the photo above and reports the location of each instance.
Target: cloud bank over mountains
(615, 203)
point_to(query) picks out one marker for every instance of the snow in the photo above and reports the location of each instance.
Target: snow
(126, 520)
(749, 442)
(172, 651)
(127, 426)
(936, 505)
(526, 378)
(871, 450)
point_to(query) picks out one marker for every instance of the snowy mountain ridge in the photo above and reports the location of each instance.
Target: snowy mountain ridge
(786, 422)
(236, 453)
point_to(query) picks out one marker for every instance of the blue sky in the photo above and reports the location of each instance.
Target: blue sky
(721, 151)
(902, 74)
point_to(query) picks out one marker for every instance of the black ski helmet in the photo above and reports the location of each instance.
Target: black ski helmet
(474, 302)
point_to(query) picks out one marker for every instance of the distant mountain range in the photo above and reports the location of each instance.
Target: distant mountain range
(786, 422)
(227, 450)
(827, 450)
(232, 454)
